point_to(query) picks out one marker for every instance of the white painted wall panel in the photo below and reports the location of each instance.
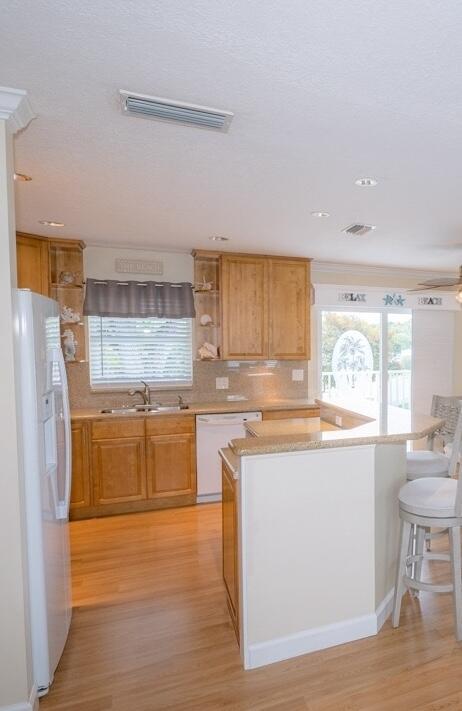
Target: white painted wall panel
(433, 356)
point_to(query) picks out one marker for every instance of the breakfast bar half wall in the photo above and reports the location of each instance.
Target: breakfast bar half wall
(310, 532)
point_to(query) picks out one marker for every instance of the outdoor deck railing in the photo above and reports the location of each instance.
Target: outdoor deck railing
(399, 386)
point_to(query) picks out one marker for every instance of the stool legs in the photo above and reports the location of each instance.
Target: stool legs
(419, 549)
(400, 587)
(456, 570)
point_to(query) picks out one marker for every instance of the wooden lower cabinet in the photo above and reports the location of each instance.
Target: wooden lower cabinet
(81, 484)
(133, 464)
(230, 545)
(119, 470)
(171, 465)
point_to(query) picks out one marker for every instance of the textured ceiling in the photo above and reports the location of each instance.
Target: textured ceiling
(323, 91)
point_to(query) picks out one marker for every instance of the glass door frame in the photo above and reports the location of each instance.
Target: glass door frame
(383, 361)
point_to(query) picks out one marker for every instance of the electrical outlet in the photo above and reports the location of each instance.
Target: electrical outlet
(338, 420)
(222, 383)
(298, 375)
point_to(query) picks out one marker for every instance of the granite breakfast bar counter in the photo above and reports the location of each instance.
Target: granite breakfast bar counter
(310, 528)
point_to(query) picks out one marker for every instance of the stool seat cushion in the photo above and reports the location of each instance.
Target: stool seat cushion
(429, 496)
(426, 463)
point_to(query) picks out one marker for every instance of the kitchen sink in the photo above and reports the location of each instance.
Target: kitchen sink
(118, 410)
(170, 408)
(143, 408)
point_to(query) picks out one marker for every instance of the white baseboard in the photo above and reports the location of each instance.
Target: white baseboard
(384, 610)
(208, 498)
(317, 638)
(31, 705)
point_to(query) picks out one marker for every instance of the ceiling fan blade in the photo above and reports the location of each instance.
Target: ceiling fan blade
(422, 288)
(440, 283)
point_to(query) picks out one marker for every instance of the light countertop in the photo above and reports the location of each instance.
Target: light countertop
(202, 408)
(378, 425)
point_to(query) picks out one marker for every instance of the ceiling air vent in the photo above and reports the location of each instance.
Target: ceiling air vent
(358, 229)
(155, 107)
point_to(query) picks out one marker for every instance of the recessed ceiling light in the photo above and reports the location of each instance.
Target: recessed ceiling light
(51, 223)
(366, 182)
(22, 177)
(219, 238)
(320, 214)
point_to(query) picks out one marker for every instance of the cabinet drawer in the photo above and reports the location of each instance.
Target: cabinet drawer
(289, 414)
(105, 429)
(176, 424)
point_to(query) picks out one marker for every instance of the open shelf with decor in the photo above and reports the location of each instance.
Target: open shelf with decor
(67, 287)
(207, 302)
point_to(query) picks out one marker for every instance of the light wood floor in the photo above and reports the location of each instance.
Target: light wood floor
(151, 631)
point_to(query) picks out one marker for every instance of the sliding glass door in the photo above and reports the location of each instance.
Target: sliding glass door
(366, 356)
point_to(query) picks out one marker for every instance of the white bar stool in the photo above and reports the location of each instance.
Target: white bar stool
(427, 462)
(425, 503)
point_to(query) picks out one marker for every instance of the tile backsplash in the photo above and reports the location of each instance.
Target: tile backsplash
(270, 380)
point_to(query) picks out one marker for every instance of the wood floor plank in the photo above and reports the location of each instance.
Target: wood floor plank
(151, 632)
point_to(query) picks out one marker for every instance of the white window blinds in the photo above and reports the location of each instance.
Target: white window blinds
(127, 350)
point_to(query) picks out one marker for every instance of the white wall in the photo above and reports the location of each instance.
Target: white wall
(15, 651)
(99, 263)
(433, 343)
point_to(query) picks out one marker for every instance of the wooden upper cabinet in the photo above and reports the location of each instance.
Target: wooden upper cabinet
(244, 308)
(265, 307)
(33, 263)
(289, 309)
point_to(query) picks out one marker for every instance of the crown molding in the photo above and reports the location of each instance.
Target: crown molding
(371, 269)
(138, 248)
(15, 108)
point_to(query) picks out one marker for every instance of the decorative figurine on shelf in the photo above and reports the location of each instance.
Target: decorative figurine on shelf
(208, 351)
(204, 285)
(68, 315)
(69, 345)
(67, 278)
(206, 320)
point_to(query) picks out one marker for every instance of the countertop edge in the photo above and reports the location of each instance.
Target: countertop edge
(299, 443)
(211, 408)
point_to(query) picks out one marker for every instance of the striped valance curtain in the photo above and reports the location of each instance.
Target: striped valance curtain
(136, 299)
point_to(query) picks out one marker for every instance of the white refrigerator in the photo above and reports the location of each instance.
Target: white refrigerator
(44, 419)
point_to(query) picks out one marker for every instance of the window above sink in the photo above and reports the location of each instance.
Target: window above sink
(123, 351)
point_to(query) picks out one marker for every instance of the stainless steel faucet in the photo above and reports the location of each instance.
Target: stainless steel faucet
(145, 393)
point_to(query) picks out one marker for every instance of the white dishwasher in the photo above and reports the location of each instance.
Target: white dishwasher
(213, 432)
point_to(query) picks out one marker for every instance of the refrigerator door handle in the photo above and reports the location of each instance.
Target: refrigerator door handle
(51, 474)
(62, 510)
